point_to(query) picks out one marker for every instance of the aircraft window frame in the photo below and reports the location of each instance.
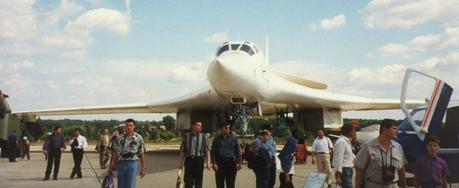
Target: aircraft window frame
(237, 46)
(223, 49)
(418, 117)
(247, 48)
(256, 49)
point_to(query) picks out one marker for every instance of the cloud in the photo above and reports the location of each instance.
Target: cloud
(17, 20)
(329, 23)
(449, 38)
(409, 13)
(75, 55)
(102, 18)
(332, 23)
(194, 72)
(217, 38)
(13, 77)
(382, 81)
(65, 30)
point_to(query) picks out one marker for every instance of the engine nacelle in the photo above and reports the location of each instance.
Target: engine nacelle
(312, 119)
(210, 119)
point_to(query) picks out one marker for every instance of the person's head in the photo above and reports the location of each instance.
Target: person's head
(347, 130)
(197, 126)
(77, 132)
(432, 145)
(320, 132)
(57, 130)
(388, 128)
(225, 128)
(105, 131)
(268, 128)
(264, 135)
(129, 126)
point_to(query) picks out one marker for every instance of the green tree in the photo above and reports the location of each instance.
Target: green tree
(169, 122)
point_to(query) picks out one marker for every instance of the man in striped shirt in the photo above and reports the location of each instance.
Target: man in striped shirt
(193, 150)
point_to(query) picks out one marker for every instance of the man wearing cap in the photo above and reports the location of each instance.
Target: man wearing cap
(25, 148)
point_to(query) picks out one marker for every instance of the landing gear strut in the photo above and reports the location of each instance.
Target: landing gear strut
(243, 114)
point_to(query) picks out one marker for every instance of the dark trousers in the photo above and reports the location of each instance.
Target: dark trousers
(272, 176)
(262, 176)
(430, 185)
(53, 157)
(226, 172)
(77, 158)
(26, 153)
(194, 169)
(12, 153)
(346, 177)
(283, 182)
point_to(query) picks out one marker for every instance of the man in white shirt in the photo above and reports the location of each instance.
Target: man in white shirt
(321, 149)
(77, 144)
(343, 157)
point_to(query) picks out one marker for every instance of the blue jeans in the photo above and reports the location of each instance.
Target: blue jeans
(127, 172)
(346, 177)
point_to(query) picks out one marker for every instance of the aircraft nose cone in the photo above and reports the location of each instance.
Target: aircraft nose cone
(229, 74)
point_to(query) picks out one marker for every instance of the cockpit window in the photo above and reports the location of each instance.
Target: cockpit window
(235, 46)
(223, 49)
(247, 49)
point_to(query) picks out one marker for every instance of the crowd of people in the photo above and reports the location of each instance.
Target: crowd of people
(378, 164)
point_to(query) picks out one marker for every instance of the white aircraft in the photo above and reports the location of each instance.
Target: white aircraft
(240, 81)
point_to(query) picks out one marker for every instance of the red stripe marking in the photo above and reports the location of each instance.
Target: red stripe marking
(430, 106)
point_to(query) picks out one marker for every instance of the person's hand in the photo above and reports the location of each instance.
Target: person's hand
(338, 178)
(208, 166)
(287, 178)
(238, 166)
(215, 167)
(142, 173)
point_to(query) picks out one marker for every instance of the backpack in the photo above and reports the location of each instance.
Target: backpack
(108, 181)
(251, 158)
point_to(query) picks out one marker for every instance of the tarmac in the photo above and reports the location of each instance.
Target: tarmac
(161, 171)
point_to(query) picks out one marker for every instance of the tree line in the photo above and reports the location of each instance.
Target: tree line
(164, 129)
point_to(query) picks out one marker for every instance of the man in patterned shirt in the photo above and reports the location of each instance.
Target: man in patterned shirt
(128, 149)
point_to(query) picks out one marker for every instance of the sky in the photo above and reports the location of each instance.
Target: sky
(99, 52)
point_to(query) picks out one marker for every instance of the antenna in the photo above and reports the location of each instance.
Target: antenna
(267, 49)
